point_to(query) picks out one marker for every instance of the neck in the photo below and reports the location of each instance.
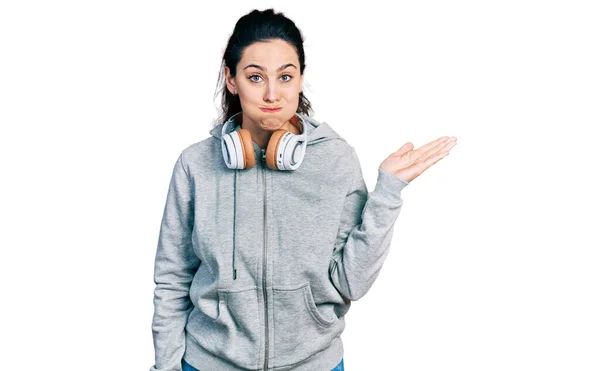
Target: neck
(261, 137)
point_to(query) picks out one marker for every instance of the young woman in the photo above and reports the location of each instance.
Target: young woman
(269, 232)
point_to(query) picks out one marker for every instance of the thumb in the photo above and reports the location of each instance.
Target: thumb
(408, 146)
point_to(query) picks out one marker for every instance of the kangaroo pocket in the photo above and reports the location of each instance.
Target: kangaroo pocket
(235, 333)
(301, 329)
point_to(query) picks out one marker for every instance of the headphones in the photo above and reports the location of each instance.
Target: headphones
(285, 150)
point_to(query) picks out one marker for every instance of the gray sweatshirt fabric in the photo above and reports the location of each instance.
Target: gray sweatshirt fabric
(304, 243)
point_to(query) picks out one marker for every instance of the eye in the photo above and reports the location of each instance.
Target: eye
(251, 76)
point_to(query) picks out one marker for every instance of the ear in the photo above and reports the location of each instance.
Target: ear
(301, 83)
(229, 80)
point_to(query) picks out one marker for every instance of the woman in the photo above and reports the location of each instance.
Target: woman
(269, 232)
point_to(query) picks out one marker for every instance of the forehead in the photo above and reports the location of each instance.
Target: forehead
(271, 54)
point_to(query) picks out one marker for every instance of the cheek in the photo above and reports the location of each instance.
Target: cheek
(292, 94)
(250, 95)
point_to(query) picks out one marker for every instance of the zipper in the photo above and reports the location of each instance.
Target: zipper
(264, 275)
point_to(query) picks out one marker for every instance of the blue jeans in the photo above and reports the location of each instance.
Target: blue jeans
(188, 367)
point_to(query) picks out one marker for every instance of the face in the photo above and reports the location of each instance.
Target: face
(268, 75)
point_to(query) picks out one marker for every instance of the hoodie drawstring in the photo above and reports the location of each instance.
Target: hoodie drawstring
(235, 220)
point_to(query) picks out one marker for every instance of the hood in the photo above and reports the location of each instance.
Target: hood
(317, 131)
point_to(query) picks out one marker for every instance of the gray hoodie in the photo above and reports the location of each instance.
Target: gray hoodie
(255, 269)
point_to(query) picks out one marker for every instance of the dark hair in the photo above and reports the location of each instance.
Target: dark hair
(254, 27)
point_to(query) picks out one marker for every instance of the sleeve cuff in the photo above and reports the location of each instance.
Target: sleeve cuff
(389, 184)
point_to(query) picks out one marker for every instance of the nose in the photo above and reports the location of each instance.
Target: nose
(272, 92)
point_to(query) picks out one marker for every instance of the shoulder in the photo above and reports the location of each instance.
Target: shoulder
(199, 147)
(200, 154)
(325, 140)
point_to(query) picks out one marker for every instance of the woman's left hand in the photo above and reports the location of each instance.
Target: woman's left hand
(407, 164)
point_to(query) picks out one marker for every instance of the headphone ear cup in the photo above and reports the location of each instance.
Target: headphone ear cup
(272, 148)
(247, 148)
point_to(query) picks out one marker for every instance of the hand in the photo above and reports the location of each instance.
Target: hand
(407, 164)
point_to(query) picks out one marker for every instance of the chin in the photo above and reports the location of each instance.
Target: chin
(272, 121)
(272, 124)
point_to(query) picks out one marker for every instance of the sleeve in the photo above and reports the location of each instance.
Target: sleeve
(365, 231)
(174, 269)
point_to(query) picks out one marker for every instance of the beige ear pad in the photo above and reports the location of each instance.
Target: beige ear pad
(296, 125)
(272, 148)
(247, 148)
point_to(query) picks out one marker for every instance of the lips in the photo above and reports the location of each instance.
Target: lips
(265, 109)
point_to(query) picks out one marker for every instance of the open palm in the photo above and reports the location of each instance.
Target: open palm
(407, 164)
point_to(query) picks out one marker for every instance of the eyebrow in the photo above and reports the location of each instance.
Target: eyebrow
(264, 69)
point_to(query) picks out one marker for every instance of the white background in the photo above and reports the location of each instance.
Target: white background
(494, 263)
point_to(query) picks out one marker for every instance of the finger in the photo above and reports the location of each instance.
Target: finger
(421, 166)
(427, 147)
(426, 162)
(449, 145)
(429, 161)
(443, 146)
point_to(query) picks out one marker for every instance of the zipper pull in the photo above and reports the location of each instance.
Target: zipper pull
(264, 154)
